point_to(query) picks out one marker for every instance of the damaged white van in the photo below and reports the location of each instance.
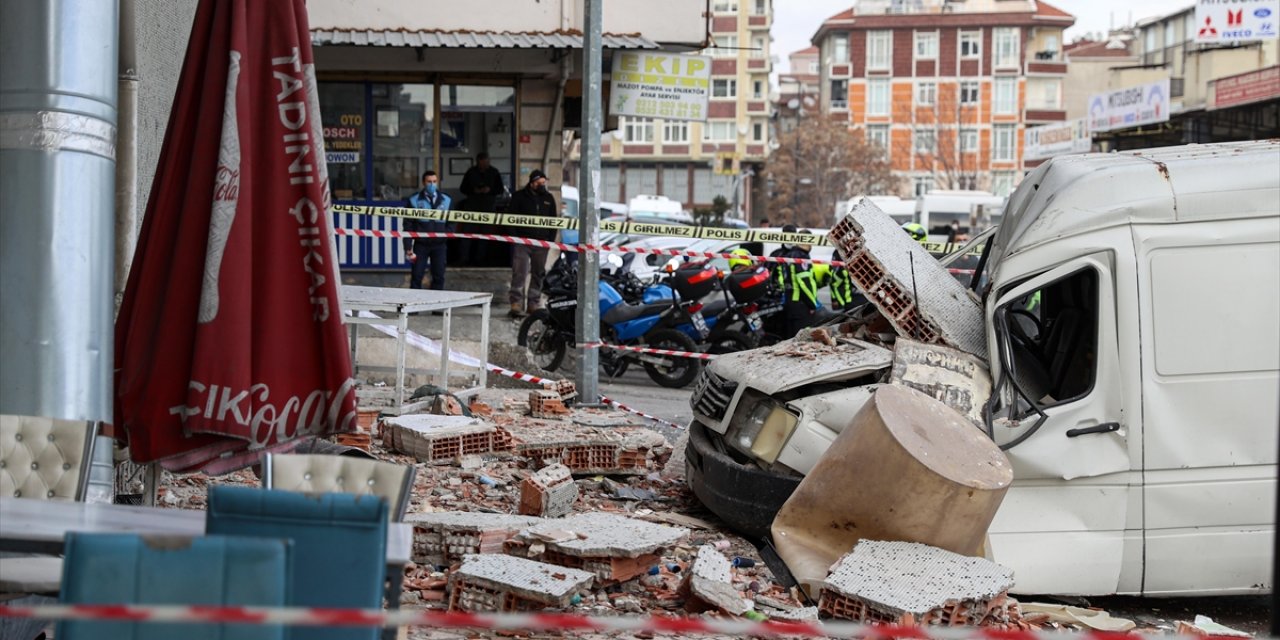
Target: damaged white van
(1128, 313)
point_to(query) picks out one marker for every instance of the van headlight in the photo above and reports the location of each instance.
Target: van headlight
(764, 429)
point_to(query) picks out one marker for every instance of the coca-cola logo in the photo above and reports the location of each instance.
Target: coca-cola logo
(255, 415)
(226, 184)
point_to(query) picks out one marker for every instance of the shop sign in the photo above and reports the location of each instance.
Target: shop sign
(660, 85)
(1225, 21)
(1056, 139)
(1130, 107)
(1255, 86)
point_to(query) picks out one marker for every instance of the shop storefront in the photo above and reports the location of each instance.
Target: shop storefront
(381, 136)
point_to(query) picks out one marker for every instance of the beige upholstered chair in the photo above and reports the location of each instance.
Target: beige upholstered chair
(41, 459)
(44, 458)
(315, 473)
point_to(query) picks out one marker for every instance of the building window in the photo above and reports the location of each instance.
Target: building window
(924, 141)
(970, 44)
(758, 49)
(879, 44)
(757, 89)
(726, 47)
(839, 94)
(878, 134)
(760, 7)
(1006, 96)
(926, 45)
(1190, 24)
(1006, 44)
(636, 129)
(1003, 148)
(719, 131)
(969, 92)
(878, 97)
(926, 94)
(921, 185)
(675, 132)
(757, 131)
(968, 140)
(1049, 95)
(724, 6)
(813, 66)
(724, 88)
(1001, 182)
(840, 48)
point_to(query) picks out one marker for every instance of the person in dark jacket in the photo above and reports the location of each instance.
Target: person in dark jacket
(529, 264)
(427, 252)
(482, 184)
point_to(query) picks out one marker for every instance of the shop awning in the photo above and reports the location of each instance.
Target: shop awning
(472, 39)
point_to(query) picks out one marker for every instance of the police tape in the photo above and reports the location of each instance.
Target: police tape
(548, 244)
(570, 224)
(622, 407)
(550, 622)
(660, 352)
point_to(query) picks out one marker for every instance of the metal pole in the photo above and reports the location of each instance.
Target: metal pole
(588, 186)
(57, 163)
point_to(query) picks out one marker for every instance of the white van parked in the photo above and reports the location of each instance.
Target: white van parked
(1131, 305)
(937, 209)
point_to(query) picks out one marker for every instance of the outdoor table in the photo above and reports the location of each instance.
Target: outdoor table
(403, 302)
(41, 526)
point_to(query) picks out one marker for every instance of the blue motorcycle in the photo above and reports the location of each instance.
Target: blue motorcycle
(648, 316)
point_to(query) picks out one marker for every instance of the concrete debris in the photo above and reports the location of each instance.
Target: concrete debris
(491, 582)
(609, 535)
(710, 581)
(1205, 626)
(909, 287)
(545, 403)
(446, 405)
(549, 493)
(801, 614)
(566, 389)
(910, 583)
(444, 537)
(480, 408)
(588, 450)
(431, 438)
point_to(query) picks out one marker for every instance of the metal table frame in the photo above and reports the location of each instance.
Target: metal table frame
(403, 302)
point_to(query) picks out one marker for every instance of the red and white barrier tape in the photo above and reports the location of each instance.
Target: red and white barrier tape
(547, 244)
(524, 377)
(622, 407)
(660, 352)
(302, 616)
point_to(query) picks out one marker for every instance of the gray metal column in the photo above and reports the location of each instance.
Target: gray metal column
(57, 197)
(589, 201)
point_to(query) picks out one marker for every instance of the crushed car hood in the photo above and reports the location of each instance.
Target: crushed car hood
(795, 363)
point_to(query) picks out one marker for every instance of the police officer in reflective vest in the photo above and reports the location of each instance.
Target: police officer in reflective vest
(798, 285)
(837, 280)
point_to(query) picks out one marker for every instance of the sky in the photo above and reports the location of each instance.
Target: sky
(795, 21)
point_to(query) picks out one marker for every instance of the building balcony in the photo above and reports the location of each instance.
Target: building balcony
(758, 64)
(1045, 115)
(760, 22)
(1041, 66)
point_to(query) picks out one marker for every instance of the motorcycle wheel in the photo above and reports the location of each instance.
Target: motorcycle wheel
(538, 334)
(613, 364)
(679, 372)
(730, 342)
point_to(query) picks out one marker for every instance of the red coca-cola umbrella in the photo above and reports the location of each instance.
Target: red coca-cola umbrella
(229, 341)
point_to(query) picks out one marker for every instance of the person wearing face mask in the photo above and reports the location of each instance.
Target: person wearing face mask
(529, 264)
(427, 252)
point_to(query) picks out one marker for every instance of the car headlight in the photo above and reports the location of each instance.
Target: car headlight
(766, 427)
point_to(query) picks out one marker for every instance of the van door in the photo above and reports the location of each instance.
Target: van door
(1057, 409)
(1211, 354)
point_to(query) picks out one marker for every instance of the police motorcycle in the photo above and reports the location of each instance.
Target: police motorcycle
(649, 319)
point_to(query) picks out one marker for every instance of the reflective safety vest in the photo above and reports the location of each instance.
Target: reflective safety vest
(798, 284)
(841, 287)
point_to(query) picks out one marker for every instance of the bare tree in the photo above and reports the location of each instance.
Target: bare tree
(936, 143)
(816, 164)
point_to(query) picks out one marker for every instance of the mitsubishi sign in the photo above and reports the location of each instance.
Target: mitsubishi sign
(1131, 107)
(1224, 21)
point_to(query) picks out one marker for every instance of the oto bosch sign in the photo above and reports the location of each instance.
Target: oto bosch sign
(1224, 21)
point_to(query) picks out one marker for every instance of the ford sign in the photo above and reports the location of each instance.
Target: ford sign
(1261, 12)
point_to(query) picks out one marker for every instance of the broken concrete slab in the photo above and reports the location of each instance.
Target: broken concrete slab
(491, 582)
(911, 583)
(608, 535)
(587, 450)
(549, 493)
(433, 438)
(909, 287)
(710, 580)
(443, 537)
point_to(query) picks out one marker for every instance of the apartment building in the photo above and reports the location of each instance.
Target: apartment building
(1088, 64)
(946, 87)
(798, 90)
(694, 162)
